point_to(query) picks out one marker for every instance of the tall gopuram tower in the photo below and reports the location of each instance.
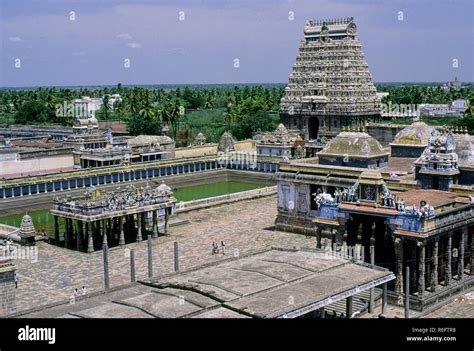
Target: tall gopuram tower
(330, 85)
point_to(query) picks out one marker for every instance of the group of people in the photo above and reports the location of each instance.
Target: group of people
(216, 248)
(78, 293)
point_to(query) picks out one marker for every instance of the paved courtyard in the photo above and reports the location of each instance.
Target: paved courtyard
(244, 226)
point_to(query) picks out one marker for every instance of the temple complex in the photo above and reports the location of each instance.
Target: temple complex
(411, 212)
(119, 217)
(330, 85)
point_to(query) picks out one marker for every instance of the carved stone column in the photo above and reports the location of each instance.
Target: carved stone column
(104, 232)
(56, 230)
(461, 252)
(139, 227)
(318, 237)
(166, 220)
(80, 232)
(155, 225)
(434, 271)
(122, 234)
(372, 234)
(399, 265)
(359, 234)
(421, 269)
(90, 241)
(66, 231)
(449, 259)
(472, 253)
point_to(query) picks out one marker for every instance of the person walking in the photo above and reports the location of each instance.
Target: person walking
(223, 247)
(16, 281)
(83, 290)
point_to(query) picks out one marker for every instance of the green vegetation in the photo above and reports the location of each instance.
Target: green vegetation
(419, 94)
(209, 122)
(181, 112)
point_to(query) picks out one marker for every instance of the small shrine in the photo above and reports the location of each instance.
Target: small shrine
(437, 168)
(226, 144)
(27, 231)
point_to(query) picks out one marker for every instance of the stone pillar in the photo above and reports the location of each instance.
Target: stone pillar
(318, 237)
(372, 235)
(407, 292)
(79, 235)
(105, 252)
(132, 266)
(150, 257)
(166, 220)
(345, 236)
(122, 234)
(56, 230)
(176, 257)
(372, 290)
(104, 232)
(449, 259)
(349, 307)
(461, 251)
(384, 298)
(399, 265)
(155, 224)
(434, 271)
(139, 229)
(421, 269)
(472, 253)
(90, 241)
(67, 232)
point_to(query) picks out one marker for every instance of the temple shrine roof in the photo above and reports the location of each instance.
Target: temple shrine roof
(435, 198)
(417, 133)
(354, 144)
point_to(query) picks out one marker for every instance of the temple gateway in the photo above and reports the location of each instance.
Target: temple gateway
(330, 85)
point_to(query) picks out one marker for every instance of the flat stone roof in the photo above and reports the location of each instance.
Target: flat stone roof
(269, 284)
(435, 198)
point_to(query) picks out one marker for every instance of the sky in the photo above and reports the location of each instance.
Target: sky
(105, 42)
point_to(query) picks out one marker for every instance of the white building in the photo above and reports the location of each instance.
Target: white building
(87, 106)
(455, 108)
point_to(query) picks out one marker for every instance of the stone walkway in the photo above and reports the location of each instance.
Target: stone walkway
(461, 307)
(244, 226)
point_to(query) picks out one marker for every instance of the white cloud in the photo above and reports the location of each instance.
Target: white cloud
(124, 36)
(134, 45)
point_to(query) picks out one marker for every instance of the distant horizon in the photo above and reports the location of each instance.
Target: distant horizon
(201, 84)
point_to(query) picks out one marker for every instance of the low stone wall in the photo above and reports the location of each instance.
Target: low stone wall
(210, 149)
(9, 232)
(44, 200)
(225, 199)
(7, 287)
